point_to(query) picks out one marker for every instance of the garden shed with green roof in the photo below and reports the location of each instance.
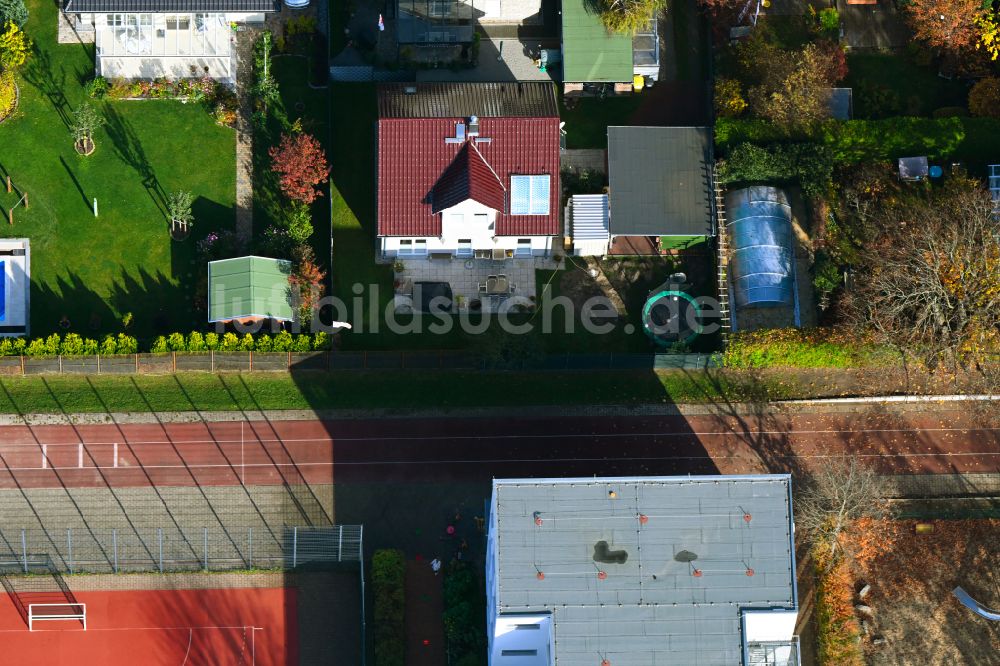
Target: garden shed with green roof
(590, 53)
(249, 288)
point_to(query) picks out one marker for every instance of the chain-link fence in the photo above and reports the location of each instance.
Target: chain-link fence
(250, 361)
(172, 549)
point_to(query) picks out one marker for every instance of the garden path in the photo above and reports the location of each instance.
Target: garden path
(244, 134)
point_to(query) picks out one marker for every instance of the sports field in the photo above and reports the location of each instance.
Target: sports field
(254, 626)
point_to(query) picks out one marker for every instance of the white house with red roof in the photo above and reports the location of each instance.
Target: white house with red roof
(468, 170)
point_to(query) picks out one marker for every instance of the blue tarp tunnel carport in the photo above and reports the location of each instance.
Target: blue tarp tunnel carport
(762, 247)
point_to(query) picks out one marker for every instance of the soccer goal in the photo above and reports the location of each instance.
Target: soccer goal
(61, 612)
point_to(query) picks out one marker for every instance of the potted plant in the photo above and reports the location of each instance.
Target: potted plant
(86, 120)
(179, 209)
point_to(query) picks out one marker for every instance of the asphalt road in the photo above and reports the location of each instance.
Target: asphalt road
(463, 450)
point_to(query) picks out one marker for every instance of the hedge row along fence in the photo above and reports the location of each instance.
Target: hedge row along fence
(853, 141)
(388, 585)
(75, 345)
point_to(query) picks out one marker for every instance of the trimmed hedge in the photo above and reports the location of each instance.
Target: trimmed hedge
(838, 633)
(388, 584)
(69, 345)
(464, 614)
(802, 348)
(75, 345)
(283, 341)
(808, 164)
(852, 141)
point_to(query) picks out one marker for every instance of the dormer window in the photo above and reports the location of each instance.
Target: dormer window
(529, 195)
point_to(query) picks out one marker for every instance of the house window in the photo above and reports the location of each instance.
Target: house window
(438, 8)
(523, 247)
(529, 195)
(412, 248)
(115, 19)
(178, 22)
(464, 247)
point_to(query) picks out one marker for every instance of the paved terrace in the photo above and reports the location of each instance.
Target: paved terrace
(465, 275)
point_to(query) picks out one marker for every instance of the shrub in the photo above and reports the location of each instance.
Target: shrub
(246, 343)
(108, 345)
(15, 47)
(175, 342)
(264, 343)
(950, 112)
(8, 93)
(97, 87)
(464, 617)
(283, 341)
(388, 582)
(810, 165)
(321, 340)
(126, 344)
(838, 634)
(984, 98)
(301, 165)
(299, 221)
(72, 345)
(829, 21)
(729, 101)
(212, 341)
(854, 141)
(14, 11)
(159, 345)
(303, 343)
(230, 342)
(195, 342)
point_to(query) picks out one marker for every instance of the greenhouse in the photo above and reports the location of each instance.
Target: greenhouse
(762, 257)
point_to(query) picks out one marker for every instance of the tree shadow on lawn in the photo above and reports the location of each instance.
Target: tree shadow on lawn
(158, 305)
(129, 148)
(40, 72)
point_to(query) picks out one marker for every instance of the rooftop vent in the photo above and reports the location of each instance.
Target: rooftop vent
(473, 125)
(410, 90)
(604, 554)
(685, 556)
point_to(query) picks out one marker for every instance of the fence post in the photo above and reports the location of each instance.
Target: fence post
(114, 543)
(159, 538)
(295, 546)
(250, 545)
(211, 355)
(69, 547)
(60, 364)
(340, 544)
(24, 549)
(137, 364)
(206, 548)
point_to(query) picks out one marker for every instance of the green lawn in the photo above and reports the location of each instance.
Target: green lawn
(93, 270)
(321, 390)
(587, 122)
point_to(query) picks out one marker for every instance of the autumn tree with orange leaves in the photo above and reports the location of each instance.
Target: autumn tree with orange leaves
(947, 25)
(301, 165)
(307, 281)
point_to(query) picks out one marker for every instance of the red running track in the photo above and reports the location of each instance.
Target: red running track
(450, 449)
(249, 626)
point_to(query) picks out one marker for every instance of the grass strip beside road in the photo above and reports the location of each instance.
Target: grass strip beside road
(362, 390)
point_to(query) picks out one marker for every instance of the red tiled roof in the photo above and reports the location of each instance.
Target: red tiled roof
(413, 159)
(468, 177)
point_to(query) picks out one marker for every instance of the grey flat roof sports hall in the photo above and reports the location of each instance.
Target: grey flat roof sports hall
(660, 181)
(648, 539)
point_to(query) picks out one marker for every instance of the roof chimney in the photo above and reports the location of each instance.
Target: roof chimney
(473, 125)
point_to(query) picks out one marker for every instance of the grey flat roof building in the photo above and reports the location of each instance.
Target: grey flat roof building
(660, 181)
(641, 571)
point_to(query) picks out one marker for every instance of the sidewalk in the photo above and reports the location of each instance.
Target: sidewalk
(424, 611)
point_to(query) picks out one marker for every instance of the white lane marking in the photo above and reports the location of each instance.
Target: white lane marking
(607, 435)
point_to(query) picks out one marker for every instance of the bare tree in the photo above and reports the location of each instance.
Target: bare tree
(838, 493)
(930, 278)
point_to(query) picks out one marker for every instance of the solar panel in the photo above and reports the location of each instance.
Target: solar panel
(529, 195)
